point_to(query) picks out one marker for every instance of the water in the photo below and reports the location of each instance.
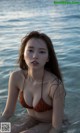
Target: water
(62, 24)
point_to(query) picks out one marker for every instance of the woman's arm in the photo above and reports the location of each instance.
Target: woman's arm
(12, 97)
(58, 109)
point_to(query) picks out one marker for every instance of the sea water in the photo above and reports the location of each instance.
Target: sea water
(62, 24)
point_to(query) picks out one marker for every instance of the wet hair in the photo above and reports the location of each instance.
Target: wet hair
(52, 65)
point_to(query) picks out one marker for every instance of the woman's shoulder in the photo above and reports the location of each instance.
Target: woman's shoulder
(55, 85)
(17, 78)
(52, 78)
(17, 74)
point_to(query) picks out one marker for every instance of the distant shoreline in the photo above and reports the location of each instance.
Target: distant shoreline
(66, 2)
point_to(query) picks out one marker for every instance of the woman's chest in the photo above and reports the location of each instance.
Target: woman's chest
(33, 92)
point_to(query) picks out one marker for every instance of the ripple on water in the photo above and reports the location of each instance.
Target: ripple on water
(62, 24)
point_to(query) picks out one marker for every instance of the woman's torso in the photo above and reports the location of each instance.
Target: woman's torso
(32, 94)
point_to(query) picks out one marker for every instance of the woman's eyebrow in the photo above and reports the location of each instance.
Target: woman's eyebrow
(39, 48)
(42, 48)
(30, 47)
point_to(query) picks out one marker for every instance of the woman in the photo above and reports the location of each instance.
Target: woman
(39, 86)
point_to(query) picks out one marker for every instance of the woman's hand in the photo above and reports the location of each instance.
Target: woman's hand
(3, 119)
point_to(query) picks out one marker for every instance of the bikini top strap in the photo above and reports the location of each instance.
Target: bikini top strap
(42, 84)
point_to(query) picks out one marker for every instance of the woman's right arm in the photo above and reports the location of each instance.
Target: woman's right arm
(13, 92)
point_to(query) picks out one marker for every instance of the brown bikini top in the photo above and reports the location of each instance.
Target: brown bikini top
(42, 106)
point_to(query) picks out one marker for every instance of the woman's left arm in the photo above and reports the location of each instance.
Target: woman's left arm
(58, 108)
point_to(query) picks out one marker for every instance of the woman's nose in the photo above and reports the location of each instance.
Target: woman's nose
(35, 55)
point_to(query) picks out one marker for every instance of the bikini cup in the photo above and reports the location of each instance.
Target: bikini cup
(40, 107)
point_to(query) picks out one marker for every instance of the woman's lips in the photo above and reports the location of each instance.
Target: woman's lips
(35, 63)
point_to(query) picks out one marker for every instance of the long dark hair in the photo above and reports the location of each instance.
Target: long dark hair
(52, 65)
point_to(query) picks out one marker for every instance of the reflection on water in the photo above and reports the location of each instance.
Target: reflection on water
(62, 24)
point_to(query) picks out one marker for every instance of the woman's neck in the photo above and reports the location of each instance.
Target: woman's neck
(35, 75)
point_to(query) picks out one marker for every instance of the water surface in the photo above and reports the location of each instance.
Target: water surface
(62, 24)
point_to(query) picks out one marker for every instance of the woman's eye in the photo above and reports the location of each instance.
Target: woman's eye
(30, 50)
(42, 52)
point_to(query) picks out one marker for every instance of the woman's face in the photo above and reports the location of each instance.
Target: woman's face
(36, 53)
